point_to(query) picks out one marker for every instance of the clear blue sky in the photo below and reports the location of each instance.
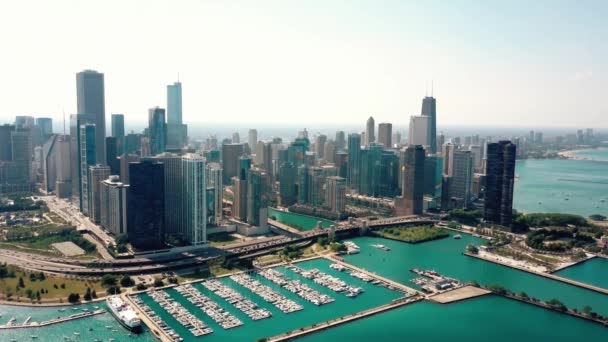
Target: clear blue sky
(515, 63)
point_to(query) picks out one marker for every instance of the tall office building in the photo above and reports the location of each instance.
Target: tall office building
(118, 126)
(236, 138)
(112, 155)
(316, 181)
(214, 182)
(230, 160)
(174, 194)
(24, 122)
(411, 201)
(370, 169)
(88, 158)
(90, 97)
(354, 161)
(257, 205)
(500, 179)
(49, 164)
(5, 142)
(45, 125)
(419, 131)
(22, 150)
(370, 131)
(239, 201)
(335, 194)
(329, 152)
(429, 108)
(63, 164)
(462, 178)
(267, 163)
(114, 205)
(252, 138)
(97, 174)
(195, 199)
(177, 132)
(132, 143)
(431, 175)
(385, 134)
(340, 140)
(288, 175)
(146, 204)
(157, 130)
(125, 160)
(76, 121)
(320, 145)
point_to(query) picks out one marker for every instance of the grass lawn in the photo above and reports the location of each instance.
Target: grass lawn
(9, 285)
(413, 234)
(221, 239)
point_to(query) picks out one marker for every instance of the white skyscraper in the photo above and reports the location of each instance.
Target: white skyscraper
(195, 199)
(370, 131)
(419, 131)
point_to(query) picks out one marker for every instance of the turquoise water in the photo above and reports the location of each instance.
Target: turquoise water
(598, 154)
(489, 318)
(594, 272)
(279, 322)
(544, 185)
(57, 332)
(304, 221)
(445, 256)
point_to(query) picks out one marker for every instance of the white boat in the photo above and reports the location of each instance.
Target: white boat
(457, 236)
(124, 313)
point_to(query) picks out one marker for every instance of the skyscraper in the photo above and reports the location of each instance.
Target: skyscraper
(419, 131)
(195, 192)
(500, 179)
(335, 195)
(112, 155)
(385, 134)
(354, 160)
(45, 125)
(118, 126)
(340, 140)
(49, 164)
(97, 174)
(320, 145)
(252, 138)
(114, 205)
(462, 178)
(157, 130)
(177, 132)
(146, 204)
(90, 96)
(63, 163)
(288, 175)
(214, 181)
(370, 131)
(88, 155)
(230, 160)
(76, 121)
(413, 182)
(174, 194)
(257, 206)
(429, 108)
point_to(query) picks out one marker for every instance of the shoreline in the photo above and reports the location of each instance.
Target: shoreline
(572, 154)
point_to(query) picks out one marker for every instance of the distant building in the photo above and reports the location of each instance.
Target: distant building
(370, 131)
(230, 160)
(118, 126)
(195, 200)
(500, 179)
(214, 183)
(125, 160)
(385, 134)
(45, 125)
(174, 183)
(354, 161)
(112, 154)
(145, 204)
(340, 141)
(252, 138)
(157, 131)
(288, 175)
(177, 132)
(88, 154)
(419, 131)
(257, 204)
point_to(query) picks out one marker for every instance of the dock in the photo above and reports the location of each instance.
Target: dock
(458, 294)
(154, 328)
(342, 320)
(29, 324)
(546, 275)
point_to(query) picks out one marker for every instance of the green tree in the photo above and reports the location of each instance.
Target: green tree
(113, 290)
(73, 298)
(109, 280)
(126, 281)
(94, 293)
(21, 282)
(523, 295)
(471, 248)
(158, 282)
(587, 310)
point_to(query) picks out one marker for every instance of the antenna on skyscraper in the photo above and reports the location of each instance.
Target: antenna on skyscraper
(63, 121)
(178, 76)
(432, 81)
(426, 89)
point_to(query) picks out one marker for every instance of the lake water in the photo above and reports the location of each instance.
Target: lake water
(304, 221)
(561, 186)
(594, 272)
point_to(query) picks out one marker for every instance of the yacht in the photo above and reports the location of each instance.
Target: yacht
(124, 313)
(457, 236)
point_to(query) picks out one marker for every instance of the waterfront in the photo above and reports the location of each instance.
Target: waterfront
(594, 272)
(445, 256)
(596, 154)
(561, 186)
(303, 221)
(103, 327)
(279, 322)
(486, 318)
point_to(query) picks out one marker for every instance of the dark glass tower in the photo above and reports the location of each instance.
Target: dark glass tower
(413, 181)
(354, 160)
(157, 130)
(145, 204)
(429, 108)
(500, 178)
(90, 97)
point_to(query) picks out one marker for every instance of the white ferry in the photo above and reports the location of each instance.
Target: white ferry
(124, 313)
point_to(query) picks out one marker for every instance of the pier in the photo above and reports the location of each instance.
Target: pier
(29, 324)
(458, 294)
(546, 275)
(342, 320)
(158, 332)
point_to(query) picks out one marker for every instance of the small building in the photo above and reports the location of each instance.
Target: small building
(68, 248)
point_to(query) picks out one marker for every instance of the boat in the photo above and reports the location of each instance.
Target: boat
(457, 236)
(124, 313)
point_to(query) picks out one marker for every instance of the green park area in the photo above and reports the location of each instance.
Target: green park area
(413, 234)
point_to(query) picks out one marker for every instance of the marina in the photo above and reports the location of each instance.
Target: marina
(237, 300)
(295, 286)
(181, 314)
(270, 296)
(328, 281)
(211, 308)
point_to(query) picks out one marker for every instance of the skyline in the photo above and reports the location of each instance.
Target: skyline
(328, 63)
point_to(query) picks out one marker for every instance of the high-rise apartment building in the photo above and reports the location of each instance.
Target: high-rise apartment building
(370, 131)
(500, 179)
(195, 198)
(230, 160)
(112, 155)
(88, 155)
(354, 161)
(257, 205)
(114, 205)
(288, 175)
(174, 194)
(97, 174)
(340, 141)
(215, 184)
(419, 131)
(252, 138)
(157, 131)
(335, 194)
(118, 126)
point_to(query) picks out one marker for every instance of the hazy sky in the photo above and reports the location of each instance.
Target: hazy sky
(516, 63)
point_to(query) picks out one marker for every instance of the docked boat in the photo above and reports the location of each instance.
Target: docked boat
(382, 247)
(457, 236)
(124, 313)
